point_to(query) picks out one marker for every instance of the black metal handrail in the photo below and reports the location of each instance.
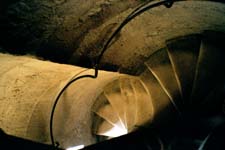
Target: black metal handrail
(136, 12)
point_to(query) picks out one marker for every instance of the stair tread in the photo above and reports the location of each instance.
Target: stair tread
(162, 104)
(103, 128)
(144, 103)
(130, 99)
(108, 113)
(159, 64)
(210, 69)
(183, 53)
(107, 129)
(116, 99)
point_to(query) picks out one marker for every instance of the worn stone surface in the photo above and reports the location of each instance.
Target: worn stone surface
(148, 32)
(53, 29)
(74, 31)
(28, 88)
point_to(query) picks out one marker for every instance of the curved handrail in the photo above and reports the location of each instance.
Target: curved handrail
(139, 10)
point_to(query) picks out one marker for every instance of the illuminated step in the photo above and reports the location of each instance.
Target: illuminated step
(130, 99)
(106, 129)
(116, 100)
(161, 102)
(160, 66)
(107, 112)
(144, 103)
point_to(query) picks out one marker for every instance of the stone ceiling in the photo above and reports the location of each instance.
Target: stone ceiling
(74, 31)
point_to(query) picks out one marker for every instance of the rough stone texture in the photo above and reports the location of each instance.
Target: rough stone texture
(28, 88)
(73, 31)
(53, 29)
(148, 32)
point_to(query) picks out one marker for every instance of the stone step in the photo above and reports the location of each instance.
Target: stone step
(183, 54)
(144, 104)
(160, 66)
(127, 91)
(161, 102)
(210, 68)
(104, 129)
(108, 114)
(116, 100)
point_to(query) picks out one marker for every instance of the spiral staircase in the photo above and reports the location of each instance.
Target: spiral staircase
(186, 78)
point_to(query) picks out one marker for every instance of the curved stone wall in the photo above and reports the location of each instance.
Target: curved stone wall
(28, 88)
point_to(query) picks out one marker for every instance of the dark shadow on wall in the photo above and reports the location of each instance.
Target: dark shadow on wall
(8, 142)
